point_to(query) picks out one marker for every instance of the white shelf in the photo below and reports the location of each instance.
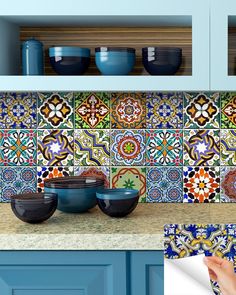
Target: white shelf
(98, 83)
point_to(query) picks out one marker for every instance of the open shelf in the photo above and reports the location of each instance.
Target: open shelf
(185, 25)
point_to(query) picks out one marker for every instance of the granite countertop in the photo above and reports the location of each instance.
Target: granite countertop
(142, 230)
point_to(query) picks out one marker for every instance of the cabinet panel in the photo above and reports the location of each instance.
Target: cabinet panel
(147, 273)
(69, 273)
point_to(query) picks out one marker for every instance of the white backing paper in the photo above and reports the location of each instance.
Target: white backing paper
(185, 276)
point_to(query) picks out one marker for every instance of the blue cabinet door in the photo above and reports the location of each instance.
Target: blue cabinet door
(147, 273)
(63, 273)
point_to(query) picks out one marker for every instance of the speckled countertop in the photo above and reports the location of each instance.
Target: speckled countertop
(142, 230)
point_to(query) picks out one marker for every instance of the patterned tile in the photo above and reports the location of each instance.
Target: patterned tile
(92, 110)
(228, 184)
(128, 110)
(164, 184)
(55, 147)
(228, 147)
(164, 147)
(165, 110)
(201, 184)
(55, 110)
(130, 177)
(128, 147)
(183, 240)
(18, 148)
(101, 171)
(51, 172)
(228, 110)
(92, 147)
(201, 147)
(16, 180)
(201, 110)
(18, 110)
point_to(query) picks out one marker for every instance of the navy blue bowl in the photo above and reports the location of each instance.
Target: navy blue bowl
(76, 194)
(69, 60)
(115, 61)
(34, 207)
(117, 202)
(161, 60)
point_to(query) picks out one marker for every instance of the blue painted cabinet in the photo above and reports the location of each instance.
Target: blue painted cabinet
(81, 273)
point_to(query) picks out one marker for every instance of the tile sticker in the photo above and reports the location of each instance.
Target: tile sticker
(55, 147)
(201, 110)
(228, 110)
(18, 110)
(164, 147)
(51, 172)
(228, 184)
(201, 147)
(92, 147)
(201, 184)
(228, 147)
(100, 171)
(55, 110)
(128, 110)
(164, 184)
(164, 110)
(18, 148)
(131, 178)
(185, 240)
(128, 147)
(92, 110)
(16, 180)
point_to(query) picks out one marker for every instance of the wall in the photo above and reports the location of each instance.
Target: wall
(173, 147)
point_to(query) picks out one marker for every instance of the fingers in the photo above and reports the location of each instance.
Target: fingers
(215, 259)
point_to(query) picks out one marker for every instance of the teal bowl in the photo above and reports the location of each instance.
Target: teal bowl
(117, 202)
(75, 194)
(114, 61)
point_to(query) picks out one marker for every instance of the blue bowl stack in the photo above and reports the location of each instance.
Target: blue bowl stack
(69, 60)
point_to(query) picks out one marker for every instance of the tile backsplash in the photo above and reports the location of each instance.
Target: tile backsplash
(173, 147)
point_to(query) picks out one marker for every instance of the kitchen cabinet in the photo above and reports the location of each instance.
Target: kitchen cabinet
(155, 13)
(81, 272)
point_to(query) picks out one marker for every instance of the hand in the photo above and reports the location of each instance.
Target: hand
(222, 271)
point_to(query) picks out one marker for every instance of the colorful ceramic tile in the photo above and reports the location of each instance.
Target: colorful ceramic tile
(128, 147)
(92, 110)
(55, 147)
(201, 147)
(228, 184)
(164, 184)
(183, 240)
(18, 110)
(165, 110)
(201, 184)
(18, 147)
(92, 147)
(128, 110)
(130, 177)
(201, 110)
(164, 147)
(55, 110)
(228, 110)
(101, 172)
(51, 172)
(228, 147)
(16, 180)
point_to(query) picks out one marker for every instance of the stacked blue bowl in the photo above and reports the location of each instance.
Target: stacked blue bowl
(69, 60)
(117, 202)
(115, 60)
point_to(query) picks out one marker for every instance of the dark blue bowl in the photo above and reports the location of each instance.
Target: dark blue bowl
(117, 202)
(161, 60)
(115, 61)
(75, 194)
(69, 60)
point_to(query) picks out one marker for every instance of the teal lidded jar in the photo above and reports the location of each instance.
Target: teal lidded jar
(32, 57)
